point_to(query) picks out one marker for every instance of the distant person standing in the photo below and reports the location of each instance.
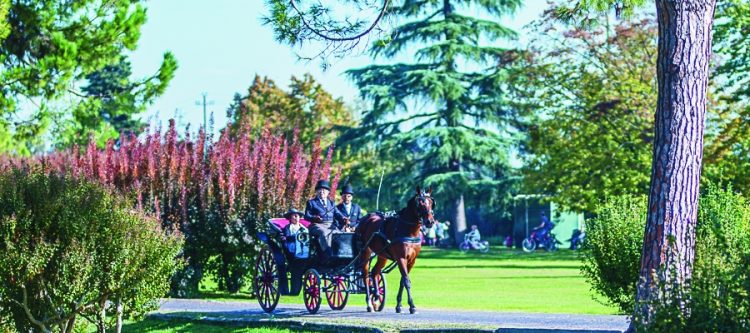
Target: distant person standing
(443, 233)
(431, 234)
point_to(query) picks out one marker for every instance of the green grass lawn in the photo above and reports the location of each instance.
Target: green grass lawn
(502, 280)
(179, 326)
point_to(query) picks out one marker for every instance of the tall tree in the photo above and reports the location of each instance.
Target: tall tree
(113, 101)
(682, 68)
(306, 105)
(51, 46)
(459, 140)
(682, 71)
(593, 85)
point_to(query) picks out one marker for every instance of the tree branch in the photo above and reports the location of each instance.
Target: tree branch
(27, 310)
(341, 39)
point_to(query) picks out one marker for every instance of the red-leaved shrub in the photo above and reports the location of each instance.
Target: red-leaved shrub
(218, 194)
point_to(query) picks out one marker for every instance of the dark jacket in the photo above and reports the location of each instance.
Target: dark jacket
(327, 213)
(353, 215)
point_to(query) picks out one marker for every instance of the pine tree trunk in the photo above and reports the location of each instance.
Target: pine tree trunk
(682, 71)
(459, 211)
(459, 218)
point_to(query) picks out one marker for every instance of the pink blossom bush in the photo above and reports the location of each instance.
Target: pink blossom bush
(217, 194)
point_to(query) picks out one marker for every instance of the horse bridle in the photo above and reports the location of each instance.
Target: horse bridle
(421, 213)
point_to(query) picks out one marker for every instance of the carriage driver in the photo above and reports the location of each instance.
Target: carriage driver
(350, 211)
(321, 212)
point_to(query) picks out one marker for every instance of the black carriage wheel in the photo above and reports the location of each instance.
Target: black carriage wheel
(311, 290)
(377, 283)
(266, 282)
(337, 291)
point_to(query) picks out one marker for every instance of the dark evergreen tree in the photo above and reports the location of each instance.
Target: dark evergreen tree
(445, 119)
(113, 101)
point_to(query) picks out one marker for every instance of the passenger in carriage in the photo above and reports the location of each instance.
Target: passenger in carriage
(322, 213)
(289, 234)
(350, 211)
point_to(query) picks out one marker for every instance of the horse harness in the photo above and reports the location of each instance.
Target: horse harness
(396, 218)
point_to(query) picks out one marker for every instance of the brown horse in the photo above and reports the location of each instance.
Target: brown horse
(397, 239)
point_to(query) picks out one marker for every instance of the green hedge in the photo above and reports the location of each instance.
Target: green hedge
(719, 291)
(73, 249)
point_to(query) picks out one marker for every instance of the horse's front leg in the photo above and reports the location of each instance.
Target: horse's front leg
(407, 284)
(404, 283)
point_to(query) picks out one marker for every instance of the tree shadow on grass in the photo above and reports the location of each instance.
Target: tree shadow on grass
(499, 266)
(158, 325)
(499, 254)
(190, 322)
(216, 294)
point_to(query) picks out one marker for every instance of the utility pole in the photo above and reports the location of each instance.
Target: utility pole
(204, 103)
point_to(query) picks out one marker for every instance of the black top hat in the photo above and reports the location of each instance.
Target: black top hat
(292, 211)
(347, 190)
(323, 184)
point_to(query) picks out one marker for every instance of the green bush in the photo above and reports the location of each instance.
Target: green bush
(719, 291)
(720, 287)
(612, 251)
(73, 249)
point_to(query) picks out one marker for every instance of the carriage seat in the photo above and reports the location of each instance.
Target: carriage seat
(280, 223)
(342, 245)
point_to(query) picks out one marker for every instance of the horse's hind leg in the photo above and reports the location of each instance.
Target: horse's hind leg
(378, 270)
(366, 276)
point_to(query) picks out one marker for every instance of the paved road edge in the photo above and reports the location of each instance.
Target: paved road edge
(280, 323)
(345, 328)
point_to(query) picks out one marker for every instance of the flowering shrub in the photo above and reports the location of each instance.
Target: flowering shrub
(217, 194)
(73, 250)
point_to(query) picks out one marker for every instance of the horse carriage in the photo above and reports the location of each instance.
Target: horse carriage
(281, 272)
(392, 238)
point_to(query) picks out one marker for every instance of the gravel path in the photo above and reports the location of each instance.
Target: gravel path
(423, 318)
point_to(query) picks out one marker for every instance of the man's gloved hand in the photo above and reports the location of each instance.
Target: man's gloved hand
(316, 219)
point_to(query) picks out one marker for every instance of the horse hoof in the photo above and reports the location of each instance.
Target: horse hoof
(369, 309)
(412, 310)
(398, 309)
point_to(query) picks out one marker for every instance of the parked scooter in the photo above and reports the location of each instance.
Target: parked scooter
(577, 239)
(467, 244)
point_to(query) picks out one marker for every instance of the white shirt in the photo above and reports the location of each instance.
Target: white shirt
(348, 208)
(294, 228)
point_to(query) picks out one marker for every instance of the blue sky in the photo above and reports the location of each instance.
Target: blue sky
(220, 46)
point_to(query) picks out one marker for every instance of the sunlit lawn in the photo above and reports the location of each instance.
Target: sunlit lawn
(502, 280)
